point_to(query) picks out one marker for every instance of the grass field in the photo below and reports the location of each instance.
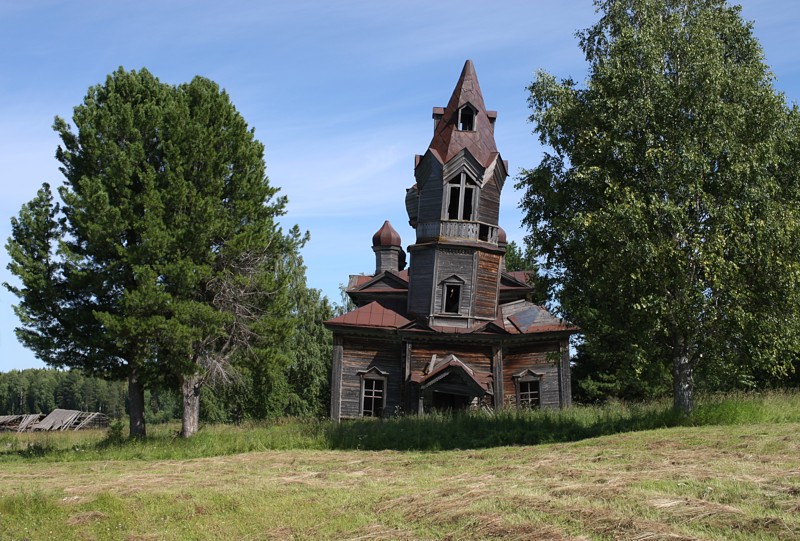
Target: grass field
(736, 481)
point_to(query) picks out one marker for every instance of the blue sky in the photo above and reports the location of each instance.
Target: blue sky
(340, 93)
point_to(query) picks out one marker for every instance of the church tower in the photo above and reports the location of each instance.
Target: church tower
(454, 206)
(455, 329)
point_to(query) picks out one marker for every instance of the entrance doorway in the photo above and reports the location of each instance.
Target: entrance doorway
(442, 401)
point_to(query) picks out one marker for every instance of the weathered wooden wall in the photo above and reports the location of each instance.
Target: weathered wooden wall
(458, 262)
(421, 281)
(541, 358)
(478, 357)
(486, 285)
(429, 183)
(489, 203)
(363, 354)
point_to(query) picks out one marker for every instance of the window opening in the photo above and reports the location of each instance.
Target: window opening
(467, 215)
(528, 394)
(452, 298)
(461, 199)
(466, 119)
(483, 232)
(372, 404)
(455, 200)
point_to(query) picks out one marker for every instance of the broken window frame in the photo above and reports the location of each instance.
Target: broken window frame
(369, 391)
(461, 201)
(526, 396)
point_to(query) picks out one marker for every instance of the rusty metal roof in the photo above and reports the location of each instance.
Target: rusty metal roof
(448, 140)
(386, 236)
(523, 317)
(372, 315)
(515, 280)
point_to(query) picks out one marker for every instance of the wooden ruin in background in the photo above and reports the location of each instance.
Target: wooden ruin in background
(57, 419)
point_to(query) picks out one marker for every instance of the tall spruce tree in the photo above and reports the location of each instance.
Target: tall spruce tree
(166, 208)
(668, 208)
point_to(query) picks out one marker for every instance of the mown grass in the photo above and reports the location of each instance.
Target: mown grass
(737, 482)
(434, 432)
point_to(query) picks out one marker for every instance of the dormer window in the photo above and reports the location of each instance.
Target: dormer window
(461, 193)
(466, 118)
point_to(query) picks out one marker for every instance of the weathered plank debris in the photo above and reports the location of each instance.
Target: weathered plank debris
(58, 419)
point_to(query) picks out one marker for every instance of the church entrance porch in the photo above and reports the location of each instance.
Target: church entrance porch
(450, 385)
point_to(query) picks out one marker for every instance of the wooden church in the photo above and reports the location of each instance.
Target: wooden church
(454, 330)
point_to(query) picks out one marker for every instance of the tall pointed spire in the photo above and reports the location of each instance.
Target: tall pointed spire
(452, 133)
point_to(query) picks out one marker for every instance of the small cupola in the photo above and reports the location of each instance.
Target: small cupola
(389, 254)
(502, 238)
(502, 242)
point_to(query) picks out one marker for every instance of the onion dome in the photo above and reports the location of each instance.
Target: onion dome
(386, 236)
(501, 236)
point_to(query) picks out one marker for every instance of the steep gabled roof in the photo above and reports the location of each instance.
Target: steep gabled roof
(448, 140)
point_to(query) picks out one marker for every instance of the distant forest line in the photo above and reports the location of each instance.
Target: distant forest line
(41, 390)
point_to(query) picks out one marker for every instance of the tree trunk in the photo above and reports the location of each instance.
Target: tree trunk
(190, 392)
(682, 379)
(136, 404)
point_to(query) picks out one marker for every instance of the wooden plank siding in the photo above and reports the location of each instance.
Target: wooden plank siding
(489, 203)
(477, 357)
(541, 358)
(363, 354)
(454, 261)
(486, 285)
(429, 183)
(421, 281)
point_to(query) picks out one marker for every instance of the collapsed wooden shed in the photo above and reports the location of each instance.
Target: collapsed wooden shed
(56, 420)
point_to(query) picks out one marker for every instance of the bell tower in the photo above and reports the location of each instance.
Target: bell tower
(454, 207)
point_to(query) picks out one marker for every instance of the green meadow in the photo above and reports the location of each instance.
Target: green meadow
(620, 471)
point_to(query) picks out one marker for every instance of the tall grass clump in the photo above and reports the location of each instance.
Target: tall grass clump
(471, 430)
(747, 408)
(163, 442)
(477, 429)
(430, 432)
